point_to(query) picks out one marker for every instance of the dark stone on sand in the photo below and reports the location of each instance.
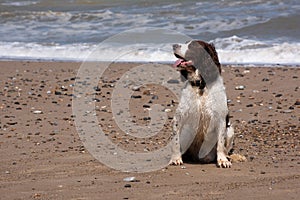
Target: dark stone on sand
(96, 100)
(154, 97)
(146, 118)
(173, 81)
(265, 79)
(127, 185)
(136, 96)
(11, 123)
(278, 95)
(147, 92)
(57, 93)
(97, 89)
(252, 121)
(146, 106)
(239, 75)
(297, 103)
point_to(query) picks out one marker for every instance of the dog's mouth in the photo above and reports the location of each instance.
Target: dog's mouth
(182, 62)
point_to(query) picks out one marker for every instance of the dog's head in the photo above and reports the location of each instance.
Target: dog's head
(194, 54)
(197, 57)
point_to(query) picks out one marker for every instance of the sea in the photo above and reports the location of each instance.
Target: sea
(250, 32)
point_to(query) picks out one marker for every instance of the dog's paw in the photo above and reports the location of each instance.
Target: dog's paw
(176, 161)
(224, 163)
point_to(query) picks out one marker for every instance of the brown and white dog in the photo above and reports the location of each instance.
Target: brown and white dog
(201, 126)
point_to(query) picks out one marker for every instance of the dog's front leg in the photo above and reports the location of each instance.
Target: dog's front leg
(222, 150)
(176, 158)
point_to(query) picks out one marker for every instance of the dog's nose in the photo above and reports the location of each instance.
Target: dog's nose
(176, 46)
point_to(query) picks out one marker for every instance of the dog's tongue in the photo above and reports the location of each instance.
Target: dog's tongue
(177, 62)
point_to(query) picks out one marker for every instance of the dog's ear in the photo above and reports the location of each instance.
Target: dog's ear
(211, 50)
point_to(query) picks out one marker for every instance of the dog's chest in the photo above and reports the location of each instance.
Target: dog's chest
(192, 101)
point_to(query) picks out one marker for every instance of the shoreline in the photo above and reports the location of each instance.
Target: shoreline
(44, 158)
(156, 62)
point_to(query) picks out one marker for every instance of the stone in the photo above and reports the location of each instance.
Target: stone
(240, 87)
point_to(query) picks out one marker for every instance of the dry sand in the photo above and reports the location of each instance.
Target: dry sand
(42, 156)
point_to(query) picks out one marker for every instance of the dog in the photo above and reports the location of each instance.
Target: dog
(201, 128)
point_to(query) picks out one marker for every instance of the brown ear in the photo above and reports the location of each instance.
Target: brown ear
(210, 49)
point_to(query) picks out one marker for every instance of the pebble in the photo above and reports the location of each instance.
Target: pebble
(173, 81)
(57, 92)
(97, 89)
(136, 96)
(252, 158)
(240, 87)
(168, 110)
(297, 103)
(286, 111)
(129, 179)
(11, 123)
(154, 97)
(37, 112)
(127, 185)
(146, 118)
(135, 88)
(147, 92)
(265, 79)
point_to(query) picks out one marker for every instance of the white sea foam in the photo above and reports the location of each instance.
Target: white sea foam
(237, 50)
(232, 50)
(19, 3)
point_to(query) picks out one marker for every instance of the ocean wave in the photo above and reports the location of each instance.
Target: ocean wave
(232, 50)
(237, 50)
(19, 3)
(205, 20)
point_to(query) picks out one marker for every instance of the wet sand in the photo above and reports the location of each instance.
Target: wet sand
(42, 156)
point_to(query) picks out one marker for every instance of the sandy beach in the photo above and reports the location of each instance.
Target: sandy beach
(42, 156)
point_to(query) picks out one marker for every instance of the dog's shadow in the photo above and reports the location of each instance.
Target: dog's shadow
(187, 158)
